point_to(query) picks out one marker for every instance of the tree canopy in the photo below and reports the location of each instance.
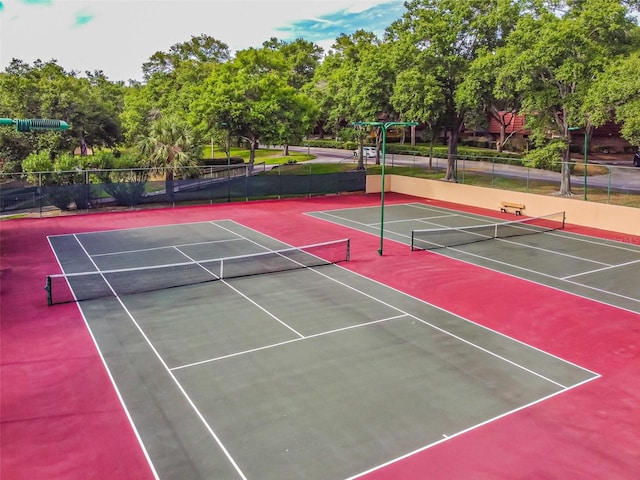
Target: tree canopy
(444, 63)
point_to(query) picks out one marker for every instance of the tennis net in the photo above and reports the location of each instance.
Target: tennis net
(74, 287)
(429, 239)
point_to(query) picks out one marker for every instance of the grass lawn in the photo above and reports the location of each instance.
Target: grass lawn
(311, 168)
(263, 155)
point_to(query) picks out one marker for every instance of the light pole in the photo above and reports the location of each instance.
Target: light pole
(384, 126)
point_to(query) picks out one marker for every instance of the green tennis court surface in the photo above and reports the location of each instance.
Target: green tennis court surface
(595, 268)
(314, 373)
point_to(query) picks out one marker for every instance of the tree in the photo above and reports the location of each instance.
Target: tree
(301, 57)
(170, 145)
(478, 92)
(199, 50)
(443, 37)
(90, 105)
(171, 82)
(417, 96)
(372, 87)
(556, 58)
(615, 95)
(252, 98)
(296, 116)
(351, 85)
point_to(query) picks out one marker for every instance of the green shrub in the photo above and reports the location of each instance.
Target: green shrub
(547, 157)
(60, 185)
(10, 166)
(125, 181)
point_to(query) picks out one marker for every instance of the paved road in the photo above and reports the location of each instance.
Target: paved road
(618, 178)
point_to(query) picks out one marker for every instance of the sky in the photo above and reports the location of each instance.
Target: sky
(118, 36)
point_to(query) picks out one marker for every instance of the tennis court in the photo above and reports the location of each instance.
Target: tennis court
(268, 372)
(294, 353)
(537, 250)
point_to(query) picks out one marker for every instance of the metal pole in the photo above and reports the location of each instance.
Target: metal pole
(228, 167)
(384, 141)
(585, 163)
(384, 127)
(41, 193)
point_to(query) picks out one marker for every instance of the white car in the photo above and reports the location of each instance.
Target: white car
(367, 152)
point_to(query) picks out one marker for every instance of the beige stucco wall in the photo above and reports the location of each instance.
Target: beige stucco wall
(578, 212)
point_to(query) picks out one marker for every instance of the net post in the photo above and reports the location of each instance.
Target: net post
(348, 249)
(47, 287)
(412, 236)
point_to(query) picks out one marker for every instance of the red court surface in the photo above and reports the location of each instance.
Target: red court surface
(62, 417)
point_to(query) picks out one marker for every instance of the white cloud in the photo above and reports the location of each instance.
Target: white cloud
(118, 36)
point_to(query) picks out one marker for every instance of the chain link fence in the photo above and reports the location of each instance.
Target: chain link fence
(100, 190)
(595, 182)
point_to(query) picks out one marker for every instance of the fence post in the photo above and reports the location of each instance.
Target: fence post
(493, 170)
(41, 192)
(87, 191)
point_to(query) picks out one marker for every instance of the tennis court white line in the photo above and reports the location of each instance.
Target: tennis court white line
(483, 237)
(346, 220)
(466, 430)
(427, 220)
(579, 237)
(442, 330)
(434, 327)
(144, 227)
(243, 295)
(424, 219)
(541, 273)
(553, 252)
(170, 373)
(445, 311)
(601, 269)
(166, 246)
(110, 375)
(484, 327)
(619, 295)
(514, 242)
(286, 342)
(508, 240)
(456, 213)
(574, 236)
(567, 236)
(451, 436)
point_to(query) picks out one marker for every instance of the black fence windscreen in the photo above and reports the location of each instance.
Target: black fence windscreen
(92, 190)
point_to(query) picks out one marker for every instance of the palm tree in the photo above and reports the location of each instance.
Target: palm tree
(169, 145)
